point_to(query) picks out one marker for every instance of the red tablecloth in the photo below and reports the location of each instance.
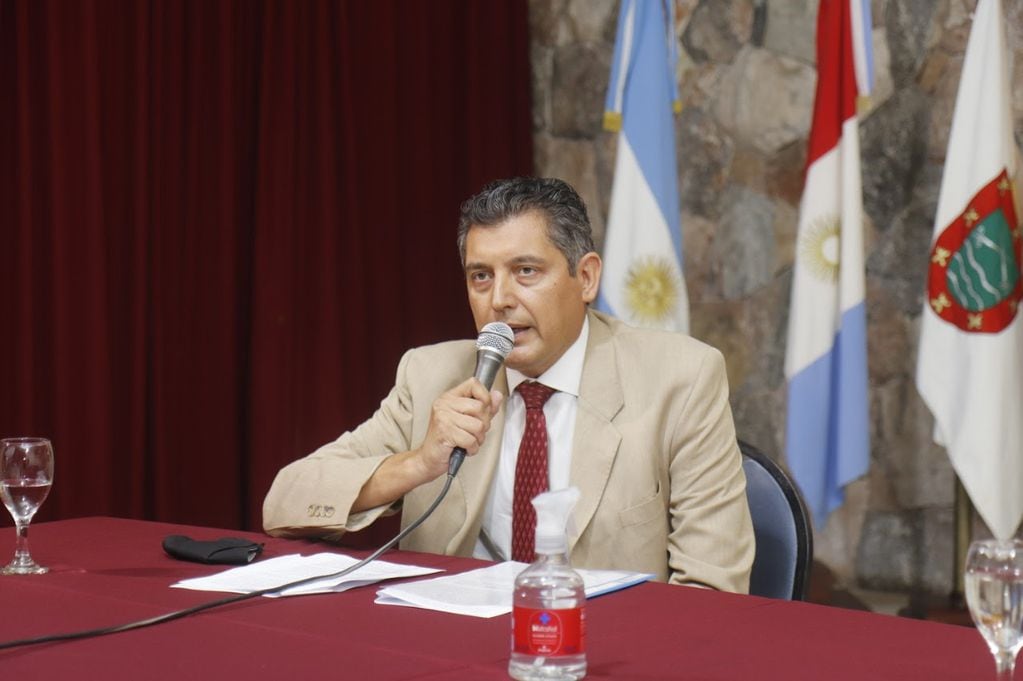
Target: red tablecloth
(107, 571)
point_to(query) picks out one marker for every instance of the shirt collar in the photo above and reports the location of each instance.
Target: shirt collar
(566, 374)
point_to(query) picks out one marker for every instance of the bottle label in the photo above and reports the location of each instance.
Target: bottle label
(549, 633)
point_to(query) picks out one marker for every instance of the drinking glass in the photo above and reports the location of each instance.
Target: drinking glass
(26, 473)
(994, 594)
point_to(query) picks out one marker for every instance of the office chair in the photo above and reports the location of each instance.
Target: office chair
(781, 525)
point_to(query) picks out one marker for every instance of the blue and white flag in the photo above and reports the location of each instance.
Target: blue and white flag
(827, 431)
(642, 281)
(863, 46)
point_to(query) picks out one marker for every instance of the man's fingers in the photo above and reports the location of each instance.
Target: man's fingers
(474, 391)
(462, 416)
(466, 431)
(496, 400)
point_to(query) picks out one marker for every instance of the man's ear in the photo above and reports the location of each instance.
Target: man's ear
(588, 271)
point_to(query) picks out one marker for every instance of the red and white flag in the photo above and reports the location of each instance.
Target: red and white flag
(827, 441)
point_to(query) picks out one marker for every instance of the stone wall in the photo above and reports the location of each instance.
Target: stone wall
(747, 77)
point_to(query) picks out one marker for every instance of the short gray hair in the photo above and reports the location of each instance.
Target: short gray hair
(568, 226)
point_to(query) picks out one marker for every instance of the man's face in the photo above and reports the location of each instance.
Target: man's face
(516, 275)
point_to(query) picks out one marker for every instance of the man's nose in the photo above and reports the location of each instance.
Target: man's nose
(503, 295)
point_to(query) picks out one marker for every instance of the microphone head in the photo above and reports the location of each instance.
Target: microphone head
(496, 336)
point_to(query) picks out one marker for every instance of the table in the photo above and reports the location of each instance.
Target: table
(108, 571)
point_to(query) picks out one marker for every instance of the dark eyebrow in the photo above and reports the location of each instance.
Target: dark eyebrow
(517, 261)
(474, 266)
(528, 260)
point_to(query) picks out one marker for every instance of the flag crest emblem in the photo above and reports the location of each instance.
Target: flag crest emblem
(974, 278)
(820, 247)
(652, 290)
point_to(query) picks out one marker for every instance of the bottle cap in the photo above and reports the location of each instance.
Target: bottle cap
(553, 519)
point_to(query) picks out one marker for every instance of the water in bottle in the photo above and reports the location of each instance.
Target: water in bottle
(548, 613)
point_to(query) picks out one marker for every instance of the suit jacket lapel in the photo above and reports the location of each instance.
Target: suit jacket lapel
(596, 439)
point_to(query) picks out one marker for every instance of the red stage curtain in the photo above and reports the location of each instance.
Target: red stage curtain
(223, 222)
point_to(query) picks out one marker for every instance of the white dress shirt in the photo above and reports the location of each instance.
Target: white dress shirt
(559, 411)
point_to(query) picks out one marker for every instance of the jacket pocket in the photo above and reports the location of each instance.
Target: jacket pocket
(643, 512)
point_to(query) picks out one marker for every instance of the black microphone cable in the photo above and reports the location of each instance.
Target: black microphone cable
(209, 605)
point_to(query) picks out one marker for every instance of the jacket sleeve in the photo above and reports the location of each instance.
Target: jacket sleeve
(711, 541)
(313, 496)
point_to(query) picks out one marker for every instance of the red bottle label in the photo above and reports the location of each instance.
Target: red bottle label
(548, 632)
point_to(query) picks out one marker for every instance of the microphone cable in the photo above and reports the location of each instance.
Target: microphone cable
(209, 605)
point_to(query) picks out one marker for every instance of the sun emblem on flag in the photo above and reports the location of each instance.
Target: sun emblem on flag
(651, 289)
(820, 249)
(974, 278)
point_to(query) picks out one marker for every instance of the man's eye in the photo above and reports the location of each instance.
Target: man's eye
(527, 271)
(479, 276)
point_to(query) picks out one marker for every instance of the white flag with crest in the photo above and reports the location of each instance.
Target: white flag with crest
(970, 366)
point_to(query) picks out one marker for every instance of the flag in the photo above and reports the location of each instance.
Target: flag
(642, 281)
(970, 366)
(863, 46)
(827, 430)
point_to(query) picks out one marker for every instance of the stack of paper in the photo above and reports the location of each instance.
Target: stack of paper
(487, 592)
(286, 569)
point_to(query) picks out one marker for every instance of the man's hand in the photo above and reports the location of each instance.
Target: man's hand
(460, 418)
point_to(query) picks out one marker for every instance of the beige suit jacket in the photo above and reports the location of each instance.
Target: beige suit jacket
(654, 456)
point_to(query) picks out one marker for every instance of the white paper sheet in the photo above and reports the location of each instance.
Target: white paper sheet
(487, 592)
(268, 573)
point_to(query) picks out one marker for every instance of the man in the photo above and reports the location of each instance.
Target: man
(638, 420)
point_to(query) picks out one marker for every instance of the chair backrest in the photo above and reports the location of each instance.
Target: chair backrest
(781, 566)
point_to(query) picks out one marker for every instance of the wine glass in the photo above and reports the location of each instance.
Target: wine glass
(994, 593)
(26, 473)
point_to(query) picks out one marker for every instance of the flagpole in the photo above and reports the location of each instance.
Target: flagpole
(952, 609)
(963, 518)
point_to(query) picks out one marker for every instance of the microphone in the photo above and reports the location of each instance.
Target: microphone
(495, 341)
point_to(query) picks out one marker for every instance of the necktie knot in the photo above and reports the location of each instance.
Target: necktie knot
(534, 394)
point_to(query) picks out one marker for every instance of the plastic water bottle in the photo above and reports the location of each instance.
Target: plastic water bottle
(548, 606)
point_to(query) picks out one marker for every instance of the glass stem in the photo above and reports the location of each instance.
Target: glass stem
(21, 555)
(1005, 663)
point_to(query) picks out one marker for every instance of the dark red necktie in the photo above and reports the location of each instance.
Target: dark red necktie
(530, 470)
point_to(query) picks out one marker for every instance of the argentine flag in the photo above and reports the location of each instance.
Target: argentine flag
(827, 430)
(863, 46)
(642, 281)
